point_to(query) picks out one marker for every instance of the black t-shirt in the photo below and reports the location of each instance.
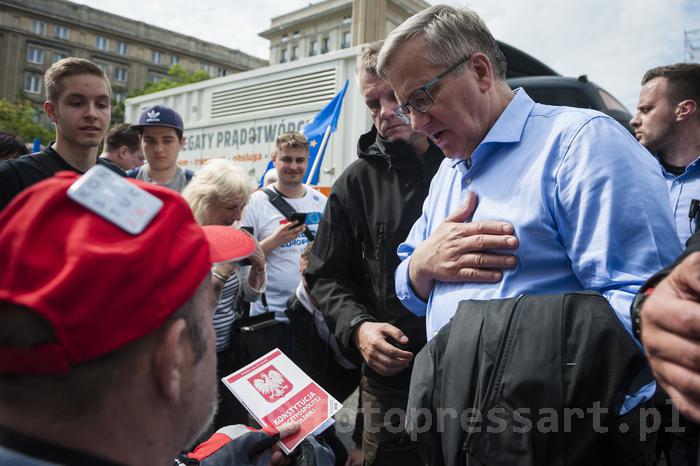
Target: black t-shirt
(18, 174)
(672, 169)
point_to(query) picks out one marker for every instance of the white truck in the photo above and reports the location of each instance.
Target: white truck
(238, 117)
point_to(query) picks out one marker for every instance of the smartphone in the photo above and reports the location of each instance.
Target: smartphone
(299, 217)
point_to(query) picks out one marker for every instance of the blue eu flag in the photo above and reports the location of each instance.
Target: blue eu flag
(270, 166)
(324, 123)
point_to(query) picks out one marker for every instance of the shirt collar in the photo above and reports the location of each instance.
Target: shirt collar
(510, 125)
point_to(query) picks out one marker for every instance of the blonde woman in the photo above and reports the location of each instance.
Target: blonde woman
(217, 195)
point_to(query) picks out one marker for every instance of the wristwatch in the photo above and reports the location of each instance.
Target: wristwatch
(636, 312)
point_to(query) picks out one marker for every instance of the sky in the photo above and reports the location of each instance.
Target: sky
(612, 41)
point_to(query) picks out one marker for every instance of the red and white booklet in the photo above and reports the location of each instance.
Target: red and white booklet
(275, 391)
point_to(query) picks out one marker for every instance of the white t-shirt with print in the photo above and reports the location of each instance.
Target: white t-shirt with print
(283, 274)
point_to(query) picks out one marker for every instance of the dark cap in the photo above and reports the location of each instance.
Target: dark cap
(160, 115)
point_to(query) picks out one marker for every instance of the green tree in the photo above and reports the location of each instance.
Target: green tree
(19, 118)
(177, 76)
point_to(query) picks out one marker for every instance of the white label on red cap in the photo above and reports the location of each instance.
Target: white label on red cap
(113, 198)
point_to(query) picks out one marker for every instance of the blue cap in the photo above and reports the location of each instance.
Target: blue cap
(160, 115)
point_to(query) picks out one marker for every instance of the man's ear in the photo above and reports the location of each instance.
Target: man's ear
(170, 360)
(50, 110)
(483, 69)
(686, 109)
(123, 152)
(274, 155)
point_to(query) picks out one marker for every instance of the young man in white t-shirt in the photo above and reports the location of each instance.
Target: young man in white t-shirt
(281, 240)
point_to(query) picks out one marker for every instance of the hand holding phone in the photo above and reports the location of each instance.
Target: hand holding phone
(299, 217)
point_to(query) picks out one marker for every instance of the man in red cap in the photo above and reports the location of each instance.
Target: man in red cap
(106, 338)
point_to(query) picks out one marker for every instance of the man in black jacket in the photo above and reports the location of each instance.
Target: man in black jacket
(370, 211)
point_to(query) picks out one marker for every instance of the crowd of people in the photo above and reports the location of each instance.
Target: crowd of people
(467, 200)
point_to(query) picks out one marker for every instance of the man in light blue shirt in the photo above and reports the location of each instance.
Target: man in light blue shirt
(667, 123)
(587, 203)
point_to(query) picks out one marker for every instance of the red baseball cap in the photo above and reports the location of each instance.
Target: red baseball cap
(97, 286)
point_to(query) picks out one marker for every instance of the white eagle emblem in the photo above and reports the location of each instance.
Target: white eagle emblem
(271, 384)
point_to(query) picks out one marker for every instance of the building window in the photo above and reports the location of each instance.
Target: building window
(101, 43)
(283, 55)
(121, 74)
(285, 38)
(294, 52)
(295, 35)
(346, 40)
(154, 78)
(32, 83)
(122, 48)
(156, 57)
(58, 56)
(35, 55)
(208, 69)
(103, 67)
(221, 72)
(324, 45)
(313, 48)
(38, 27)
(118, 97)
(346, 19)
(61, 32)
(174, 60)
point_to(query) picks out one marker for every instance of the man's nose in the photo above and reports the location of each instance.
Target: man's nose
(634, 122)
(388, 111)
(91, 111)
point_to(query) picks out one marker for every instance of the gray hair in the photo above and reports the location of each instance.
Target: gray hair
(218, 180)
(368, 58)
(450, 33)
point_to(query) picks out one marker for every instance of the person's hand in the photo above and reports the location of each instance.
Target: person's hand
(256, 278)
(371, 338)
(278, 457)
(225, 270)
(257, 259)
(284, 233)
(671, 335)
(355, 457)
(456, 251)
(244, 446)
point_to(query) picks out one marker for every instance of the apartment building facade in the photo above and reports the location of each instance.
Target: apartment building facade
(334, 24)
(36, 33)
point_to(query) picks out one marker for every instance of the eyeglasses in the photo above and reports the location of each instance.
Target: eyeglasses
(421, 100)
(292, 136)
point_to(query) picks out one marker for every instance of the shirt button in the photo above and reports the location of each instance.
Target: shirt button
(468, 181)
(435, 332)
